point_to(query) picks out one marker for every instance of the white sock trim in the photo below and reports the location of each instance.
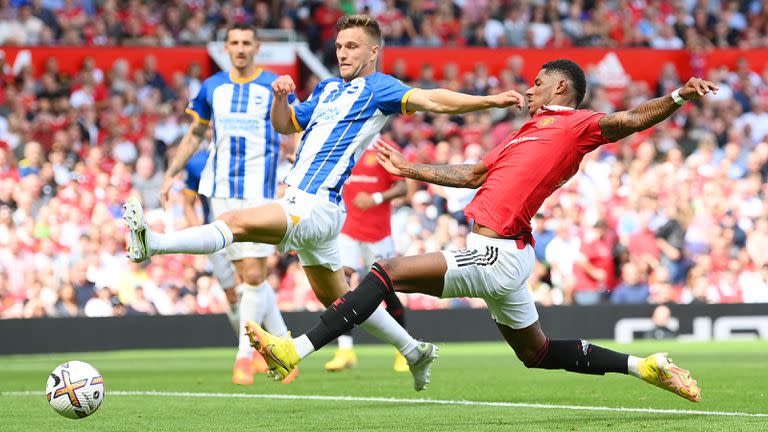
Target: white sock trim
(303, 346)
(346, 342)
(226, 233)
(633, 366)
(410, 352)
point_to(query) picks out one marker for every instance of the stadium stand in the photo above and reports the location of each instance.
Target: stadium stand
(675, 214)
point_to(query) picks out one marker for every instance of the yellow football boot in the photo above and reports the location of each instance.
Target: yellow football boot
(242, 374)
(345, 358)
(279, 352)
(401, 364)
(659, 370)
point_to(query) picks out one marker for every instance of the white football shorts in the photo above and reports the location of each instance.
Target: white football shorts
(497, 271)
(314, 223)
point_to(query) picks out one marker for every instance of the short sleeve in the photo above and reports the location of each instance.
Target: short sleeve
(591, 136)
(199, 107)
(391, 94)
(302, 113)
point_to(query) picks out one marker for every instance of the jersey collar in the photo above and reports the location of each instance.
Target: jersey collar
(555, 108)
(246, 79)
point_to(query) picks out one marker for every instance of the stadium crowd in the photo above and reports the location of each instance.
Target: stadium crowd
(430, 23)
(673, 214)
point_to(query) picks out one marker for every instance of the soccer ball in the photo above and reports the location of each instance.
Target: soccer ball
(75, 389)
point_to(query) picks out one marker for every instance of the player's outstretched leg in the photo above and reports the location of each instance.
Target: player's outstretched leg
(345, 356)
(535, 350)
(354, 308)
(329, 286)
(263, 224)
(362, 307)
(143, 243)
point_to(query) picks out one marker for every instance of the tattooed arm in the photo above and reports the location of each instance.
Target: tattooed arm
(188, 146)
(461, 176)
(621, 124)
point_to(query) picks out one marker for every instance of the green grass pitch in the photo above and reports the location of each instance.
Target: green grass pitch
(733, 377)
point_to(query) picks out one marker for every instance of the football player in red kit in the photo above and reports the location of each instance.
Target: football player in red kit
(514, 179)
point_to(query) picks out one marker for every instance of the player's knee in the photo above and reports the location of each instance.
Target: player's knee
(234, 221)
(390, 267)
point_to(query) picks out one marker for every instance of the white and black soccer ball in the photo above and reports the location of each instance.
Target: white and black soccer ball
(75, 389)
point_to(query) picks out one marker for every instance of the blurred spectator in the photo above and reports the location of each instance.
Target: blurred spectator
(101, 305)
(594, 270)
(67, 305)
(148, 181)
(561, 254)
(661, 324)
(140, 305)
(543, 236)
(632, 289)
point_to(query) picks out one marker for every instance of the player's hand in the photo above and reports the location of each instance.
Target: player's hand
(363, 201)
(165, 190)
(283, 86)
(391, 159)
(507, 99)
(696, 88)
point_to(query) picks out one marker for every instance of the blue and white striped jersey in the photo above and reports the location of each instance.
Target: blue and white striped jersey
(243, 155)
(339, 121)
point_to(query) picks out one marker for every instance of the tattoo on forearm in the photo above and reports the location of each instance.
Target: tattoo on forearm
(462, 176)
(187, 148)
(621, 124)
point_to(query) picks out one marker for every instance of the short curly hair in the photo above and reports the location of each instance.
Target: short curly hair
(573, 72)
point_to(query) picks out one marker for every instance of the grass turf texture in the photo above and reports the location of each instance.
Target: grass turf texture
(733, 376)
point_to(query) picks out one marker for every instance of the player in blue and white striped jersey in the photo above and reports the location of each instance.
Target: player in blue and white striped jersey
(245, 148)
(240, 171)
(339, 121)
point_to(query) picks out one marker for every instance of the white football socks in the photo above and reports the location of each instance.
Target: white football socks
(303, 346)
(345, 342)
(272, 318)
(381, 325)
(249, 311)
(204, 239)
(633, 366)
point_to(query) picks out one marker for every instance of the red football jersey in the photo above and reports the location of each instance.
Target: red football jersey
(530, 164)
(373, 224)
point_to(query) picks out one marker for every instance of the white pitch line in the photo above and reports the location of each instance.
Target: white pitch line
(410, 401)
